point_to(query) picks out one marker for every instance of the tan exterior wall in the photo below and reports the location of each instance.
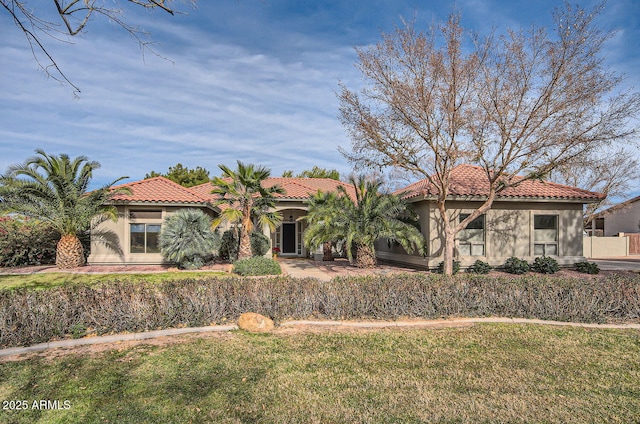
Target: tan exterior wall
(605, 247)
(113, 247)
(508, 231)
(626, 219)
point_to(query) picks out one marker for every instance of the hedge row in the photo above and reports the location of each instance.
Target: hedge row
(32, 316)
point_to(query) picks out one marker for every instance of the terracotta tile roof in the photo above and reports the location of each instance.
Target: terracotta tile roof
(469, 180)
(295, 188)
(160, 190)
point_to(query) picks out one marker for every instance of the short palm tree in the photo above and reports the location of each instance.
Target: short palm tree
(360, 222)
(248, 200)
(187, 238)
(322, 213)
(53, 189)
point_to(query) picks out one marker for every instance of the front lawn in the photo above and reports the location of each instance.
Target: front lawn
(481, 373)
(55, 279)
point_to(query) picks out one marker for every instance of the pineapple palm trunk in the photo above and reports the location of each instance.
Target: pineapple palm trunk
(245, 246)
(69, 252)
(365, 256)
(327, 254)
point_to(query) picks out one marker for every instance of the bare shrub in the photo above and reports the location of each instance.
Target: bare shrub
(31, 316)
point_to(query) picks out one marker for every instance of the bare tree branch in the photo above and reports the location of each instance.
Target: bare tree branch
(74, 14)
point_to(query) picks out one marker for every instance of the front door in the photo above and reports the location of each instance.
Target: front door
(289, 238)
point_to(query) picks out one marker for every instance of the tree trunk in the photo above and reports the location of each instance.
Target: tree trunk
(365, 256)
(245, 245)
(327, 254)
(449, 245)
(69, 252)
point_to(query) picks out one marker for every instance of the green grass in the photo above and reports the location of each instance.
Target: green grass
(53, 279)
(483, 373)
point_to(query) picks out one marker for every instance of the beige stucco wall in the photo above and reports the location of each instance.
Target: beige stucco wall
(114, 246)
(626, 219)
(604, 247)
(508, 232)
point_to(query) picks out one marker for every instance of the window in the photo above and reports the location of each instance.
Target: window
(145, 214)
(471, 239)
(144, 238)
(545, 235)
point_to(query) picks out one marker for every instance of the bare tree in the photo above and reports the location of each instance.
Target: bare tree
(74, 16)
(524, 103)
(609, 172)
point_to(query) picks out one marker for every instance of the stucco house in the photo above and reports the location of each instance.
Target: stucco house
(133, 239)
(621, 218)
(532, 219)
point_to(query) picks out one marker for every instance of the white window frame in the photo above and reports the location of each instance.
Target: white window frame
(546, 246)
(473, 245)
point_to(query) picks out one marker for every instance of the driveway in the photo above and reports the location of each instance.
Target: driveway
(622, 263)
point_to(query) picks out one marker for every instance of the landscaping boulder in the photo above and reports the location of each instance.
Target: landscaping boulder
(256, 323)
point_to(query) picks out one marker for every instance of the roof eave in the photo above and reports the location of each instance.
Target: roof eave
(581, 200)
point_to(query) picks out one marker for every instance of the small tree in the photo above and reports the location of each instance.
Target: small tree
(183, 175)
(53, 189)
(242, 191)
(360, 222)
(522, 104)
(187, 238)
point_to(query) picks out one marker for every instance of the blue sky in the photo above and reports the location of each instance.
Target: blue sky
(246, 79)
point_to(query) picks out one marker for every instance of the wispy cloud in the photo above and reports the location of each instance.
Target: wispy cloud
(254, 81)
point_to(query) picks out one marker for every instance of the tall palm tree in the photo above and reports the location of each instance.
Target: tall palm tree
(53, 189)
(360, 222)
(243, 192)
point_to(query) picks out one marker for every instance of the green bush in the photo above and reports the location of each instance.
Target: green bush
(258, 265)
(587, 267)
(260, 244)
(480, 267)
(26, 242)
(456, 267)
(229, 246)
(187, 239)
(515, 265)
(545, 265)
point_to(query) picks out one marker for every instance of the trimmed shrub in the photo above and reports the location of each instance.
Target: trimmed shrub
(31, 316)
(229, 246)
(258, 265)
(456, 267)
(27, 242)
(480, 267)
(515, 265)
(587, 267)
(545, 265)
(187, 239)
(260, 244)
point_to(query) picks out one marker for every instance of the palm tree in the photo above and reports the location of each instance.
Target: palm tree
(187, 238)
(53, 189)
(360, 222)
(321, 212)
(248, 200)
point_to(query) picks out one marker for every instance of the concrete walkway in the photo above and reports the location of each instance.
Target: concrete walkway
(342, 324)
(302, 268)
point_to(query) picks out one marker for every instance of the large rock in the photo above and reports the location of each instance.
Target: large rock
(250, 321)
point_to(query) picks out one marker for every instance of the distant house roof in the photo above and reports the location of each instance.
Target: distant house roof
(160, 190)
(295, 188)
(471, 181)
(616, 207)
